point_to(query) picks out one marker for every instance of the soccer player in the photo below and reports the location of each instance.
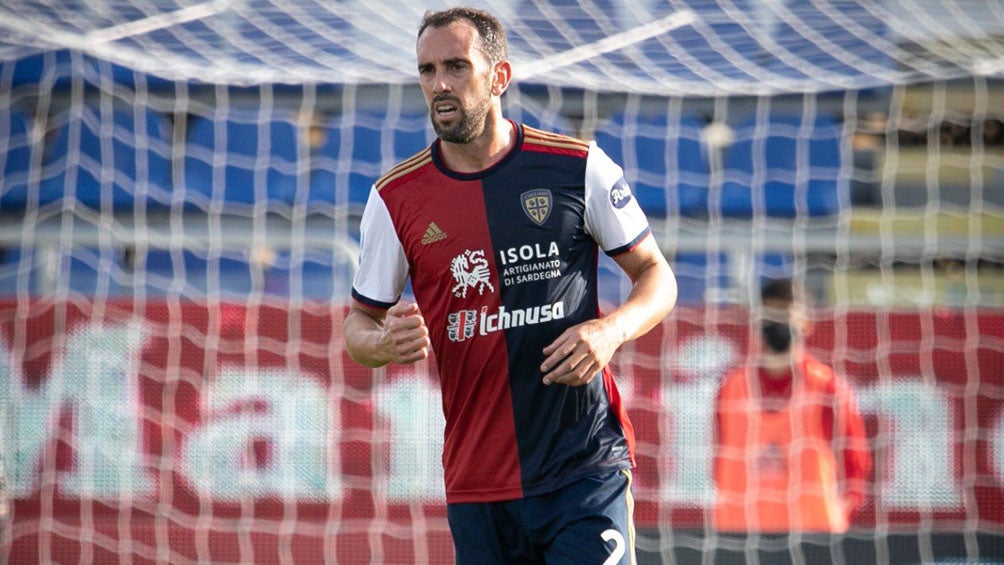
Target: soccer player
(498, 225)
(791, 453)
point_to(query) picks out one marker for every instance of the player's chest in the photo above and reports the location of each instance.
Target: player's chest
(508, 225)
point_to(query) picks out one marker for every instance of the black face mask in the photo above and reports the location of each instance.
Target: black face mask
(777, 335)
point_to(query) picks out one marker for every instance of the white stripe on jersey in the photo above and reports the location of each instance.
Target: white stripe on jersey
(610, 226)
(383, 267)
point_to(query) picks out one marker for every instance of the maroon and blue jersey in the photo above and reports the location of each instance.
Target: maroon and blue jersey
(501, 262)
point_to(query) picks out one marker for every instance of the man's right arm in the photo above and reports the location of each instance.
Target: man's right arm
(375, 337)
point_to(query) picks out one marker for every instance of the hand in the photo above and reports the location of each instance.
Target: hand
(579, 353)
(405, 336)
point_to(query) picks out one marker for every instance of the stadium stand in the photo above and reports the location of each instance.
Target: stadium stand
(259, 153)
(784, 167)
(364, 138)
(15, 153)
(95, 161)
(700, 275)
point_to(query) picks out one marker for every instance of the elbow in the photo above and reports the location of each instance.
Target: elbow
(672, 291)
(668, 291)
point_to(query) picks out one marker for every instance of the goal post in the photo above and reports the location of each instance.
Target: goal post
(180, 196)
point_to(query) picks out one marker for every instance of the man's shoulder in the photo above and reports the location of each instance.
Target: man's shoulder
(820, 374)
(405, 170)
(535, 139)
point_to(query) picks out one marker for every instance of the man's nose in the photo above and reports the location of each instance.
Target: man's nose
(440, 84)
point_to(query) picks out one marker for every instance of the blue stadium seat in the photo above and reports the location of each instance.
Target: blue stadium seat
(533, 116)
(843, 44)
(698, 273)
(15, 156)
(774, 265)
(663, 161)
(86, 271)
(782, 169)
(313, 277)
(92, 272)
(115, 161)
(194, 273)
(10, 270)
(579, 24)
(358, 148)
(244, 159)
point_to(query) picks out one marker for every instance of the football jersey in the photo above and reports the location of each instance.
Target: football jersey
(501, 262)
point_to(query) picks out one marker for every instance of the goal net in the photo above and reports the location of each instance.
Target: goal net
(180, 193)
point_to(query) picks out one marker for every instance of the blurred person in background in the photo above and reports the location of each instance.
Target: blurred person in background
(790, 448)
(5, 505)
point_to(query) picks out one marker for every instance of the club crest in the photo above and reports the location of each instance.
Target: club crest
(537, 205)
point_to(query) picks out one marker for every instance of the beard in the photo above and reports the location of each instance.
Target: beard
(470, 121)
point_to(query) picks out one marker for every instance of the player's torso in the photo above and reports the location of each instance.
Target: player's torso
(505, 251)
(501, 264)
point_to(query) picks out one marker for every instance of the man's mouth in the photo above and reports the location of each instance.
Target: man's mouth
(445, 109)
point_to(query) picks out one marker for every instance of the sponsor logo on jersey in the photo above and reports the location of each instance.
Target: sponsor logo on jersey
(470, 270)
(461, 325)
(537, 205)
(433, 234)
(620, 194)
(529, 263)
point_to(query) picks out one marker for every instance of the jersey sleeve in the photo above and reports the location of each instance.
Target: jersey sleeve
(857, 457)
(383, 268)
(613, 217)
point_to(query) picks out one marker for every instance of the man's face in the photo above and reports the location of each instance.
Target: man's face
(782, 324)
(776, 329)
(456, 80)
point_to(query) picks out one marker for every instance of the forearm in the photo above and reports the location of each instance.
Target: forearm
(855, 452)
(652, 297)
(364, 339)
(375, 337)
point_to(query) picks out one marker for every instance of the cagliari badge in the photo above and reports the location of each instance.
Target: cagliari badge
(537, 204)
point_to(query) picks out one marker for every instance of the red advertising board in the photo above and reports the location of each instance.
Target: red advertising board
(175, 429)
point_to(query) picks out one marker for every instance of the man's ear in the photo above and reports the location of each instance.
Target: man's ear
(501, 77)
(804, 319)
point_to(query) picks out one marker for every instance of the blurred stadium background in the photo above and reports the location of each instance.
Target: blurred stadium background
(180, 191)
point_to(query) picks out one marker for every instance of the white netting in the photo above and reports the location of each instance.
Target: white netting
(704, 47)
(181, 186)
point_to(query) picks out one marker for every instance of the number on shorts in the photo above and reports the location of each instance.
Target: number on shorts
(619, 550)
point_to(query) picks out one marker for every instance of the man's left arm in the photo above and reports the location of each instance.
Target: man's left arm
(852, 438)
(582, 350)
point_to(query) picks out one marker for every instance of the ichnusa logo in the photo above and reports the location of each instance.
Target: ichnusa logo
(461, 325)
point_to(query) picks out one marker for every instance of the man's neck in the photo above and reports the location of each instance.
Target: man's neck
(778, 365)
(484, 151)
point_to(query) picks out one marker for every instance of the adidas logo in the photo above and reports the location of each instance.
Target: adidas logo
(433, 234)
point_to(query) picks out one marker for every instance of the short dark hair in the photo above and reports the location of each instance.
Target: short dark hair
(778, 290)
(494, 44)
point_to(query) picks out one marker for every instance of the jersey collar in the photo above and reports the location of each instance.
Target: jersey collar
(516, 148)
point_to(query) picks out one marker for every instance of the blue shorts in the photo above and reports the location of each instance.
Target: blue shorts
(588, 521)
